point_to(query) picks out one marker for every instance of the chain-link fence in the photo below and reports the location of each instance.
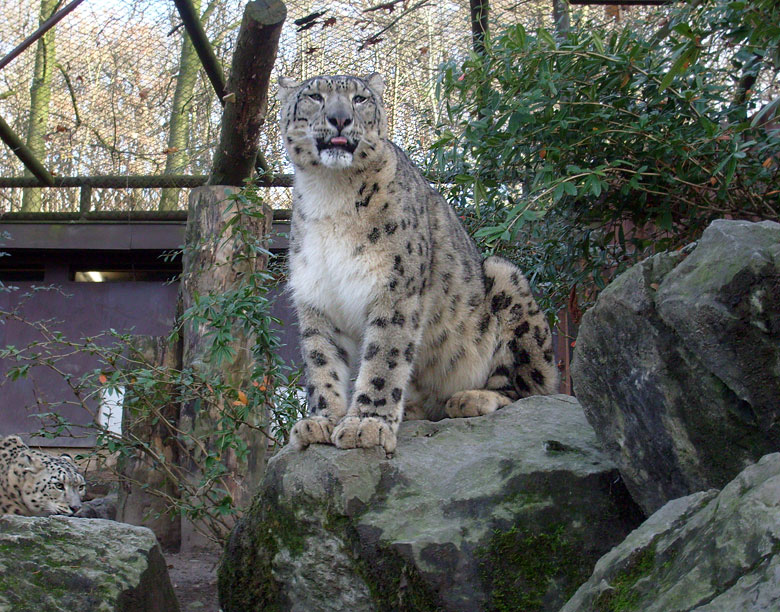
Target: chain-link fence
(117, 89)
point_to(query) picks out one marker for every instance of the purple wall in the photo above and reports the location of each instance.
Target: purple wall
(49, 249)
(78, 310)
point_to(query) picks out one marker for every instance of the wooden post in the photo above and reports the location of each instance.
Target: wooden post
(147, 471)
(85, 199)
(246, 98)
(214, 263)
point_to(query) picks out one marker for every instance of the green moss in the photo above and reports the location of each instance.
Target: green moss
(28, 584)
(395, 585)
(622, 597)
(245, 580)
(522, 499)
(518, 568)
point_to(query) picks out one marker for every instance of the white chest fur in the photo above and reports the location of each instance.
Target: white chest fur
(332, 271)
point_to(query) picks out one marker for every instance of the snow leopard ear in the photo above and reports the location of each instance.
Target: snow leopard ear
(31, 463)
(286, 87)
(375, 83)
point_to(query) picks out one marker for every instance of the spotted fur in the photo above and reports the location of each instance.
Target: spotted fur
(33, 483)
(390, 290)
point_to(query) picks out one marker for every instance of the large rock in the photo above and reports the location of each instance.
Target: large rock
(65, 564)
(506, 511)
(707, 552)
(99, 507)
(678, 364)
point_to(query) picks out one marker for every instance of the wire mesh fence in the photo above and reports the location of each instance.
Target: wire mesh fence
(116, 87)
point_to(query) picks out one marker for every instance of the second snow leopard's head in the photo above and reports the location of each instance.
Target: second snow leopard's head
(333, 121)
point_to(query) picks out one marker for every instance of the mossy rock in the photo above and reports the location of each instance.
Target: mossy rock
(676, 364)
(428, 529)
(64, 564)
(706, 552)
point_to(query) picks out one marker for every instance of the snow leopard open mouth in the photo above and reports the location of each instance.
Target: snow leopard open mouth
(337, 143)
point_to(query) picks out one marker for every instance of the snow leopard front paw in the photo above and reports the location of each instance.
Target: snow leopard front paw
(367, 432)
(475, 402)
(312, 430)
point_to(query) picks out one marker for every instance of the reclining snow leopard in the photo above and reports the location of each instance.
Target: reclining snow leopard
(387, 284)
(33, 483)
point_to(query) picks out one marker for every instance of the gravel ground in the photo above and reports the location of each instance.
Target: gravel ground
(194, 578)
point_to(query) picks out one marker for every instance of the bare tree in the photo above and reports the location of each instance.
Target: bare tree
(176, 157)
(40, 96)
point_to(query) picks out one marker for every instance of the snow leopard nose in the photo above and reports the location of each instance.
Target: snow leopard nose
(339, 119)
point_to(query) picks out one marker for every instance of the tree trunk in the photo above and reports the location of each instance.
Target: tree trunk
(480, 10)
(40, 95)
(247, 87)
(153, 428)
(213, 264)
(179, 127)
(480, 28)
(561, 19)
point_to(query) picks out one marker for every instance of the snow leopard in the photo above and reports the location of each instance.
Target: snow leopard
(33, 483)
(399, 315)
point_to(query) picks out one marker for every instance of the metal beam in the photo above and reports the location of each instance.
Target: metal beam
(202, 46)
(42, 176)
(42, 29)
(118, 181)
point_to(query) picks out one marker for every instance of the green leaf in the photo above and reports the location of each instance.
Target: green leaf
(678, 68)
(684, 29)
(558, 192)
(597, 42)
(593, 184)
(664, 220)
(546, 36)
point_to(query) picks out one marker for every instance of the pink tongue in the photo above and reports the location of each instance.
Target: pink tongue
(338, 140)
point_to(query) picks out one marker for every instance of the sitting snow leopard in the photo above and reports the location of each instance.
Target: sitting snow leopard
(33, 483)
(387, 284)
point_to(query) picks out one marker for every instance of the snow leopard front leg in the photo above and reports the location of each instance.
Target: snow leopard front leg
(388, 352)
(326, 361)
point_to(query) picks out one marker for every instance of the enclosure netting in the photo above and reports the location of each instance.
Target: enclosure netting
(120, 91)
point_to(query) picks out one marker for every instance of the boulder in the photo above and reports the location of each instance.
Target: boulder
(505, 511)
(678, 364)
(709, 552)
(64, 564)
(99, 507)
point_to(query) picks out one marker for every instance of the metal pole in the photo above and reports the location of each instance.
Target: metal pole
(23, 152)
(42, 29)
(202, 46)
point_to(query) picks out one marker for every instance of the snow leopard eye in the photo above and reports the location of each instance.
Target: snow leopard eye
(359, 99)
(314, 96)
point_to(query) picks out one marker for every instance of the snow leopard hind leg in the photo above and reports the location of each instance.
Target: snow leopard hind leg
(523, 362)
